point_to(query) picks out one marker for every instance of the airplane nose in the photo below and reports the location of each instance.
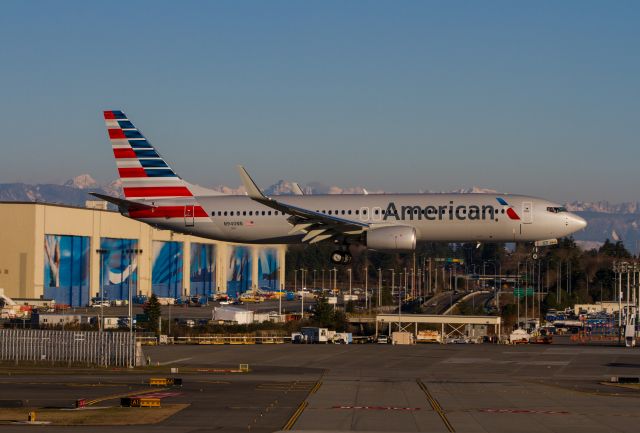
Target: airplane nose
(576, 222)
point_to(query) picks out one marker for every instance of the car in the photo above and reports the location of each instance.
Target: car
(382, 339)
(101, 304)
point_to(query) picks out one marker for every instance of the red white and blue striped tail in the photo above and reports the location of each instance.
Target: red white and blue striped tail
(144, 174)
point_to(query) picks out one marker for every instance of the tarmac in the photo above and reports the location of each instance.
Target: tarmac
(369, 387)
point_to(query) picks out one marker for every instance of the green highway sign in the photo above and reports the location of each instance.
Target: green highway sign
(519, 292)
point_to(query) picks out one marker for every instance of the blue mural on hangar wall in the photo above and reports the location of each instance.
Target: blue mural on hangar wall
(202, 270)
(118, 268)
(166, 277)
(66, 269)
(268, 269)
(239, 270)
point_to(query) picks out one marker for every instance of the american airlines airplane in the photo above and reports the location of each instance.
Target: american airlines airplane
(156, 195)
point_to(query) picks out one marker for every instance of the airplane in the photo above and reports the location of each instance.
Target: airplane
(156, 195)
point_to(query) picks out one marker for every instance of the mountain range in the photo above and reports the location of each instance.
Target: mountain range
(614, 221)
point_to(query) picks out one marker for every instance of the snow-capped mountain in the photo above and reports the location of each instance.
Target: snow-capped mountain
(606, 220)
(632, 207)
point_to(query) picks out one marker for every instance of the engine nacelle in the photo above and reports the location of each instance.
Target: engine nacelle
(392, 238)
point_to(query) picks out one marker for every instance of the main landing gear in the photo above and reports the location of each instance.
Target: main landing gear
(534, 253)
(340, 257)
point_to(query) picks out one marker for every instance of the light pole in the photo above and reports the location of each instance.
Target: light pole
(406, 281)
(314, 279)
(132, 252)
(496, 289)
(366, 289)
(302, 295)
(101, 252)
(379, 287)
(295, 280)
(335, 280)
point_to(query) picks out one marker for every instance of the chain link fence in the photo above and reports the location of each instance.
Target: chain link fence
(72, 347)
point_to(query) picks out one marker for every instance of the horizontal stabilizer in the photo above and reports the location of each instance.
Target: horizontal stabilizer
(127, 205)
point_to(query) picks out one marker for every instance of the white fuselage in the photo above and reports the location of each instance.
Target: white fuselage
(435, 217)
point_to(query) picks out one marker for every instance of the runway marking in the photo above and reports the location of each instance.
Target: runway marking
(526, 411)
(289, 425)
(436, 406)
(174, 361)
(158, 395)
(294, 418)
(128, 394)
(377, 408)
(289, 386)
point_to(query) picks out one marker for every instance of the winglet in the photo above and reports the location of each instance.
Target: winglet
(295, 189)
(252, 189)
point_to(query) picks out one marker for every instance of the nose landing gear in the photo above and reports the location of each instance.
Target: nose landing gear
(340, 257)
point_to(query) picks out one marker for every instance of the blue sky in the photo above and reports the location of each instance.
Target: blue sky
(537, 98)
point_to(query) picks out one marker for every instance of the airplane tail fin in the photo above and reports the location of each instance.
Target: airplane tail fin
(143, 172)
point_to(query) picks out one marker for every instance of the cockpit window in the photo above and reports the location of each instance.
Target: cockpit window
(556, 209)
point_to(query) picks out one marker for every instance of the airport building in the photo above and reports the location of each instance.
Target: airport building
(69, 254)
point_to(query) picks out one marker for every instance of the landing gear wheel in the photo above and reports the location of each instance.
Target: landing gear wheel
(534, 256)
(337, 257)
(340, 257)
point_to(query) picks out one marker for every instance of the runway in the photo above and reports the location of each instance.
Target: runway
(434, 388)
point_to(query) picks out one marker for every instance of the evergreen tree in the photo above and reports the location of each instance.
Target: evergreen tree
(152, 312)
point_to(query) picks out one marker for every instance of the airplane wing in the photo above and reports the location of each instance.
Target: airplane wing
(122, 203)
(317, 226)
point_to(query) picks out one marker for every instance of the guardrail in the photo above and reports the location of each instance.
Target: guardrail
(90, 347)
(218, 339)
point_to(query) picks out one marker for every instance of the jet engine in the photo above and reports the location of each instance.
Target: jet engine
(391, 238)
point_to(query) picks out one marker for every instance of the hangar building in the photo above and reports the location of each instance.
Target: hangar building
(69, 254)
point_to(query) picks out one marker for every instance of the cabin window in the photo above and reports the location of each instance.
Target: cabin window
(225, 213)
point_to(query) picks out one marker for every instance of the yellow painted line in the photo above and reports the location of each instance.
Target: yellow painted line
(436, 406)
(294, 418)
(317, 387)
(289, 425)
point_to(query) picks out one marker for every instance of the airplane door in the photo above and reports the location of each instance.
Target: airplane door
(189, 218)
(527, 212)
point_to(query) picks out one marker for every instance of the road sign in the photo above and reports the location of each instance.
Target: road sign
(519, 292)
